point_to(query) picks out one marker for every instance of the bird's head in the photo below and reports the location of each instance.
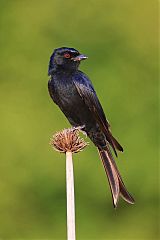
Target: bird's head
(65, 58)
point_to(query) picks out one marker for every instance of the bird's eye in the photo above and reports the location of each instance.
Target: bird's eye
(67, 55)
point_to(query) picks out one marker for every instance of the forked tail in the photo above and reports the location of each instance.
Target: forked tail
(115, 181)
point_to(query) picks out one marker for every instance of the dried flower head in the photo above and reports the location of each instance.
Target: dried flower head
(68, 140)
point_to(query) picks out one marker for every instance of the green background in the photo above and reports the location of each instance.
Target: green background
(120, 39)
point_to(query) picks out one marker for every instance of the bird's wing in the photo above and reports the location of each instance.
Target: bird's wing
(88, 94)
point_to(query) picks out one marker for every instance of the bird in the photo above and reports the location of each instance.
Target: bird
(73, 92)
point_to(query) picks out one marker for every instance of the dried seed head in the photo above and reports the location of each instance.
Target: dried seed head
(68, 140)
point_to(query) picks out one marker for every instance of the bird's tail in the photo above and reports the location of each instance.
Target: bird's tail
(115, 181)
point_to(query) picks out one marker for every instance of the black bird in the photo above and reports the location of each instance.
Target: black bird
(73, 92)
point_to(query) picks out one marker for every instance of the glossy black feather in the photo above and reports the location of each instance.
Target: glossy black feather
(73, 92)
(89, 96)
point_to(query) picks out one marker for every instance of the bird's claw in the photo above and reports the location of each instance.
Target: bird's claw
(79, 128)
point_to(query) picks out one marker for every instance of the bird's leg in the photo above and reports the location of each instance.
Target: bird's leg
(84, 133)
(80, 128)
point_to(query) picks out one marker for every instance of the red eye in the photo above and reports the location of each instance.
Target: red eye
(67, 55)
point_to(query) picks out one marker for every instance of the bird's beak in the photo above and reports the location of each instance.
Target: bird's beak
(79, 58)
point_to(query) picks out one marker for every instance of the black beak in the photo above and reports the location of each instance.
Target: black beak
(79, 58)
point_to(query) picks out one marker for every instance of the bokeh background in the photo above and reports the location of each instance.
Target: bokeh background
(120, 39)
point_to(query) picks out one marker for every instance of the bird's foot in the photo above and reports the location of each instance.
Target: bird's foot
(80, 128)
(84, 133)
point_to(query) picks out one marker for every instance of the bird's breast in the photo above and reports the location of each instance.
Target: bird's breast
(64, 93)
(67, 94)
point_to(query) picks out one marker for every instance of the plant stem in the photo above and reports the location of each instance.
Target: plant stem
(70, 197)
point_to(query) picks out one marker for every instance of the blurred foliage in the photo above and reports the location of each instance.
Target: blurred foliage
(120, 38)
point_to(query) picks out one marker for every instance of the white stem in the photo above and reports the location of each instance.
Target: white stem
(70, 197)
